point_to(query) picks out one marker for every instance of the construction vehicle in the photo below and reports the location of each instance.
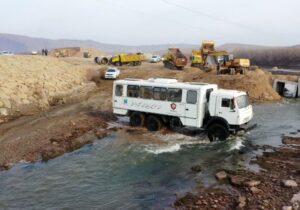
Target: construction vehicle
(208, 58)
(134, 59)
(229, 65)
(174, 59)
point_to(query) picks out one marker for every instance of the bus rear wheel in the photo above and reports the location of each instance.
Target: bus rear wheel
(217, 132)
(137, 119)
(153, 123)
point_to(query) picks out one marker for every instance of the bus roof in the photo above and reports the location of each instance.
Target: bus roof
(165, 82)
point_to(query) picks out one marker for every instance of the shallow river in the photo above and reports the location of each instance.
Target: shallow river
(139, 171)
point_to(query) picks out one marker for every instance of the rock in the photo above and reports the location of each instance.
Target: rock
(221, 175)
(4, 112)
(78, 143)
(252, 183)
(52, 152)
(6, 166)
(296, 198)
(242, 202)
(291, 139)
(100, 134)
(255, 190)
(237, 180)
(289, 183)
(196, 168)
(287, 208)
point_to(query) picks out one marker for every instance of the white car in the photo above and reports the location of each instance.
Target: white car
(155, 59)
(112, 73)
(6, 53)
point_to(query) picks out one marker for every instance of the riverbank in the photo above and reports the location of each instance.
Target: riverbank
(275, 186)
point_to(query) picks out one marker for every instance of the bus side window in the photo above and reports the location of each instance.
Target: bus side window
(159, 93)
(119, 90)
(191, 97)
(146, 92)
(133, 91)
(174, 94)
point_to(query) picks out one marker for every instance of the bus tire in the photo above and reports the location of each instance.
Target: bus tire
(175, 124)
(153, 123)
(217, 132)
(137, 119)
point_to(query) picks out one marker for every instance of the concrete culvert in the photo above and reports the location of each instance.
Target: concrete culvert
(97, 60)
(104, 61)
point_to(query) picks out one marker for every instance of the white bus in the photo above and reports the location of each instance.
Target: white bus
(157, 102)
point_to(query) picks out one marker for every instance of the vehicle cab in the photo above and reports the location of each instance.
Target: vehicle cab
(231, 105)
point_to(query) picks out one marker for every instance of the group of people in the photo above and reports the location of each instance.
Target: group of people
(44, 52)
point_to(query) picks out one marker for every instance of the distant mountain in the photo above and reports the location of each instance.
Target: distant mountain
(21, 44)
(296, 46)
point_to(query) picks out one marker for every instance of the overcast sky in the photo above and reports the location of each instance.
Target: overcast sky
(135, 22)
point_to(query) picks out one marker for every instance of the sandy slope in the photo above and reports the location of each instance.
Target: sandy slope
(36, 81)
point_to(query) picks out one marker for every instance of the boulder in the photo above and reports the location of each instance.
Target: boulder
(287, 208)
(221, 175)
(289, 183)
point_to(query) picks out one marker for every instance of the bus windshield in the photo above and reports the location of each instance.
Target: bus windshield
(242, 101)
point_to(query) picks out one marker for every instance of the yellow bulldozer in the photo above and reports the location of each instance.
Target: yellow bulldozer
(208, 58)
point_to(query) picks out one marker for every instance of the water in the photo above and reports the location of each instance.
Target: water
(138, 171)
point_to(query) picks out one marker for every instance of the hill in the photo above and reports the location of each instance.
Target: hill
(20, 44)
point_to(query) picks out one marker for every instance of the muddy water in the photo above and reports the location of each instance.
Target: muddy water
(138, 170)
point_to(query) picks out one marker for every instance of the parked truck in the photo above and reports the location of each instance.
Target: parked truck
(156, 102)
(134, 59)
(174, 59)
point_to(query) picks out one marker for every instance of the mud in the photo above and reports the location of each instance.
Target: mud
(51, 133)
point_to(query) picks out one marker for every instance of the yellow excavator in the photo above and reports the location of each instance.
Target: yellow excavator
(208, 58)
